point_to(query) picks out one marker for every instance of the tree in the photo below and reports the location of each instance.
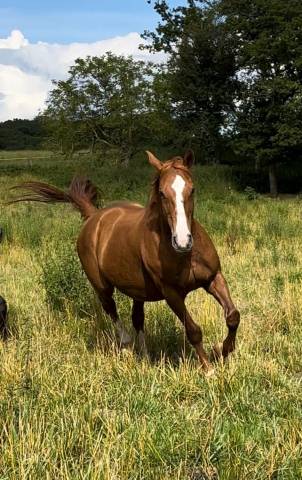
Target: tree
(107, 100)
(202, 70)
(20, 134)
(268, 121)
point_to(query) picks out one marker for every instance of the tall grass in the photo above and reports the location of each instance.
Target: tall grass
(72, 406)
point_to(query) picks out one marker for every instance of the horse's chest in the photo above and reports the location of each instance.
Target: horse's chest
(176, 273)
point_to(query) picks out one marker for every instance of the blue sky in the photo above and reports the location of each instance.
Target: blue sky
(68, 21)
(40, 40)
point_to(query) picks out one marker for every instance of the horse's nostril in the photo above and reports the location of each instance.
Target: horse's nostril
(190, 241)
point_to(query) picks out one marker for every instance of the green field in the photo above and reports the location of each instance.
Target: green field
(74, 407)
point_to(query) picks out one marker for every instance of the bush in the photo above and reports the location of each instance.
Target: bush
(63, 278)
(251, 193)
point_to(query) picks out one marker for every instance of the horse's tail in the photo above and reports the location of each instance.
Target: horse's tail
(82, 194)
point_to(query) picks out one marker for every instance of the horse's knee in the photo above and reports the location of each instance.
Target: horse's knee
(233, 320)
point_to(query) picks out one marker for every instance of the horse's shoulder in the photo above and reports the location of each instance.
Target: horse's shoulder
(200, 232)
(204, 255)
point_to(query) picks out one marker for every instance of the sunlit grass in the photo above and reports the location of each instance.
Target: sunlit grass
(74, 407)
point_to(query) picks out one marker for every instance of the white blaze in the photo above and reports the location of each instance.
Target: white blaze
(181, 230)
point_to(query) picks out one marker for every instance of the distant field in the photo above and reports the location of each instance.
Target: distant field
(23, 154)
(74, 407)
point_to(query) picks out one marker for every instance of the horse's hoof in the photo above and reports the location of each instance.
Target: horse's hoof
(123, 337)
(143, 354)
(210, 372)
(126, 343)
(216, 353)
(127, 351)
(141, 346)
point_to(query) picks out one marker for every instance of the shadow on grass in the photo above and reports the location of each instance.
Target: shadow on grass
(165, 343)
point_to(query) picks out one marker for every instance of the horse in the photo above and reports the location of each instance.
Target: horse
(3, 319)
(3, 307)
(151, 253)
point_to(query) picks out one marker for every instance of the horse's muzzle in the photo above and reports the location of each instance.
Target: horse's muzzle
(182, 248)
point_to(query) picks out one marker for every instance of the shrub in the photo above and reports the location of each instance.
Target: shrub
(251, 193)
(63, 278)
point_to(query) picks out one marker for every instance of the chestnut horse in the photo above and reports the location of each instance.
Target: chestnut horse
(150, 254)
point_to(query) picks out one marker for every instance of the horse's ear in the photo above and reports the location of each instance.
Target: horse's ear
(189, 158)
(154, 161)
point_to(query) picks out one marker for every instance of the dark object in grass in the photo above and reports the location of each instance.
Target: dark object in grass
(3, 319)
(1, 234)
(159, 252)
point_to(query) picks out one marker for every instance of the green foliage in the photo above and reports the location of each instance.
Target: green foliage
(63, 279)
(20, 134)
(251, 193)
(235, 79)
(268, 118)
(202, 67)
(107, 101)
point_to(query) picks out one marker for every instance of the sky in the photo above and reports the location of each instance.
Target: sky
(39, 40)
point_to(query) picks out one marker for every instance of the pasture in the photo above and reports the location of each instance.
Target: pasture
(74, 407)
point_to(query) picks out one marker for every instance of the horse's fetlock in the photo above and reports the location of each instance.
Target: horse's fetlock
(233, 320)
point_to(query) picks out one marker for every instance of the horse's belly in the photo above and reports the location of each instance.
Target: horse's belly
(128, 276)
(143, 295)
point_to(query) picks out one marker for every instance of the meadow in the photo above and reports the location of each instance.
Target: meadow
(72, 406)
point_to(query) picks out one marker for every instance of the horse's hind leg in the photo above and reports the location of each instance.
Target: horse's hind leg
(138, 318)
(104, 292)
(219, 289)
(109, 305)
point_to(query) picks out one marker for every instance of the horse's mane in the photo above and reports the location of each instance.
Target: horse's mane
(175, 162)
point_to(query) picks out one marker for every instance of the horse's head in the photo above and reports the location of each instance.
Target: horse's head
(174, 190)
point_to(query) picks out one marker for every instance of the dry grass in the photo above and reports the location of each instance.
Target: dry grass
(74, 407)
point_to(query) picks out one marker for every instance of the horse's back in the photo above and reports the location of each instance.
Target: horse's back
(112, 225)
(123, 204)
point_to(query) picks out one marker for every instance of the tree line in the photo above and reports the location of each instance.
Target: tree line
(19, 134)
(231, 88)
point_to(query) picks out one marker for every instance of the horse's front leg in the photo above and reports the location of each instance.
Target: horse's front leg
(138, 319)
(219, 289)
(193, 331)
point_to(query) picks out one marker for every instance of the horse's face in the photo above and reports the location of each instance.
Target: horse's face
(176, 197)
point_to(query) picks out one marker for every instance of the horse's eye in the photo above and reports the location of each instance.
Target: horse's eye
(192, 191)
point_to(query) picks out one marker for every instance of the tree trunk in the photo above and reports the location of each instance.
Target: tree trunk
(125, 158)
(273, 185)
(92, 145)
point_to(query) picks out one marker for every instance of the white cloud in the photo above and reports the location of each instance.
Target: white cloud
(21, 94)
(26, 69)
(14, 41)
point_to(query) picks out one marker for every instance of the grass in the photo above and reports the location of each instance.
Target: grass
(73, 407)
